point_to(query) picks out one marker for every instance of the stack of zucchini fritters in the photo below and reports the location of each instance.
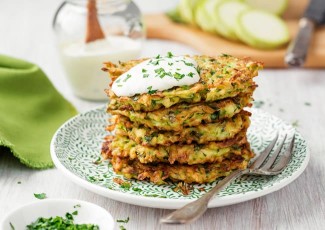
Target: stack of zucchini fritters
(193, 134)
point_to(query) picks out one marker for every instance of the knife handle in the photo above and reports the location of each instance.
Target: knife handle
(298, 48)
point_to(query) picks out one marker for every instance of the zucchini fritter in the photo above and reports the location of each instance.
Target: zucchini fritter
(122, 146)
(188, 115)
(199, 173)
(203, 133)
(221, 77)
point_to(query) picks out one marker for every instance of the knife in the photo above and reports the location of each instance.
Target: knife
(298, 48)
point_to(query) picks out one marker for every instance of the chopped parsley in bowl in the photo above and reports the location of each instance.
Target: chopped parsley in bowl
(67, 214)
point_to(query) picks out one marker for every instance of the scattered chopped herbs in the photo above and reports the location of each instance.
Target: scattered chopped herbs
(123, 184)
(150, 90)
(258, 104)
(12, 226)
(307, 104)
(75, 213)
(122, 227)
(295, 123)
(170, 55)
(40, 196)
(126, 185)
(145, 75)
(144, 70)
(158, 56)
(170, 63)
(154, 62)
(118, 80)
(77, 206)
(119, 85)
(19, 182)
(161, 72)
(188, 63)
(123, 221)
(127, 77)
(191, 74)
(178, 76)
(60, 223)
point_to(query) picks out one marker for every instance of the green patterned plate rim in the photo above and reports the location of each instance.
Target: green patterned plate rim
(75, 150)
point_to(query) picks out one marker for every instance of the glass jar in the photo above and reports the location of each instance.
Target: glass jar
(121, 22)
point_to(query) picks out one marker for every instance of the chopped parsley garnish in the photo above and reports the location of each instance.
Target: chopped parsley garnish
(19, 182)
(40, 196)
(144, 70)
(123, 221)
(77, 206)
(60, 223)
(122, 227)
(170, 55)
(178, 76)
(188, 63)
(150, 90)
(295, 124)
(126, 185)
(160, 71)
(127, 77)
(118, 80)
(158, 56)
(258, 104)
(12, 226)
(154, 62)
(75, 213)
(145, 75)
(191, 74)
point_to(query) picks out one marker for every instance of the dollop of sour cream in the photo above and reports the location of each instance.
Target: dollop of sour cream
(157, 74)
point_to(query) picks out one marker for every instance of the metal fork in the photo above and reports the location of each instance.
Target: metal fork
(263, 165)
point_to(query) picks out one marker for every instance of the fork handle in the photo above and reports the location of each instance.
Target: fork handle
(195, 209)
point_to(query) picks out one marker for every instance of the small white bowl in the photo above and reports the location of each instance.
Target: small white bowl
(88, 213)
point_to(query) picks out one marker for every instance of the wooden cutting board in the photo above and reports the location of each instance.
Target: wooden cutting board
(161, 27)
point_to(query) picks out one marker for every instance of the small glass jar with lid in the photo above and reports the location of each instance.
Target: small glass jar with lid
(121, 23)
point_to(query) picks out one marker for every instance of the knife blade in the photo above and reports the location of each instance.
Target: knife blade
(297, 51)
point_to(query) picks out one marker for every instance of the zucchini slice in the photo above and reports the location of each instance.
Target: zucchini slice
(204, 15)
(273, 6)
(226, 17)
(261, 29)
(187, 10)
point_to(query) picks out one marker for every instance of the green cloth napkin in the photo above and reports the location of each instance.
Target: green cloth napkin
(31, 110)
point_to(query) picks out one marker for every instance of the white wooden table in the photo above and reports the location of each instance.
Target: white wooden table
(25, 32)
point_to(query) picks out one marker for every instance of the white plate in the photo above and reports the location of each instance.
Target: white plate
(88, 213)
(76, 146)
